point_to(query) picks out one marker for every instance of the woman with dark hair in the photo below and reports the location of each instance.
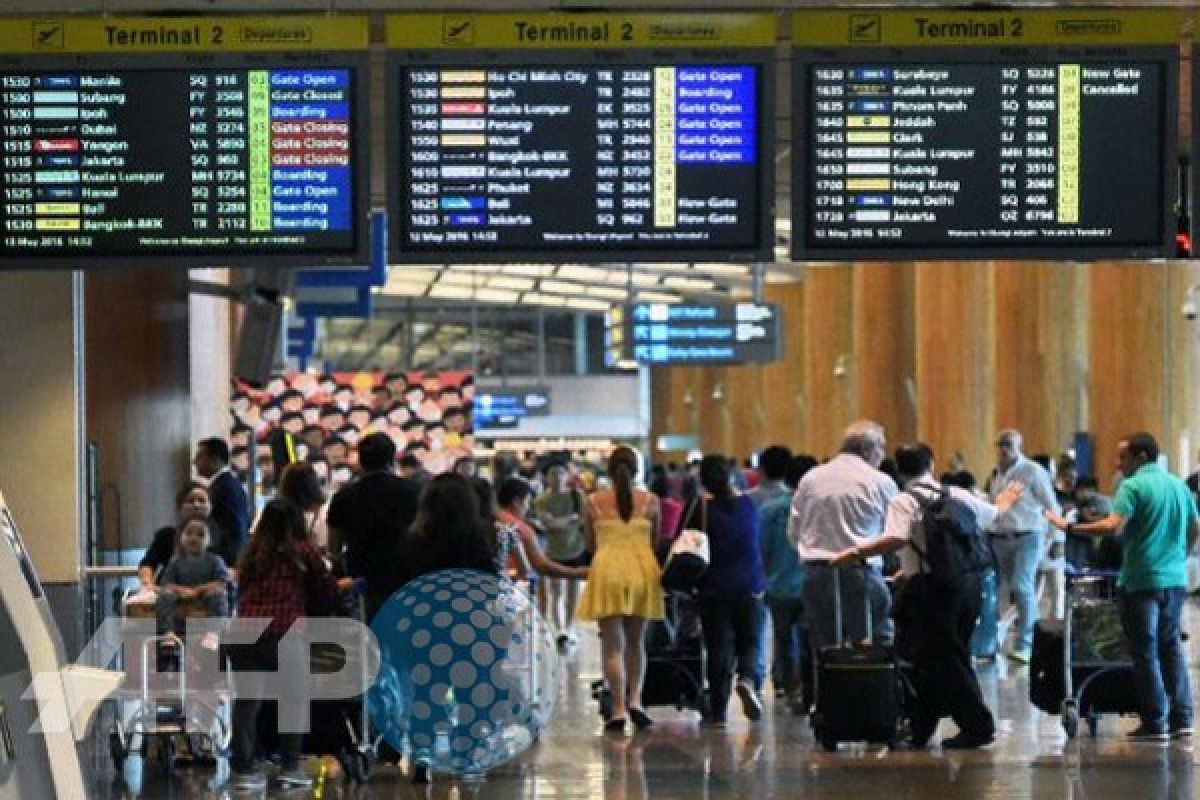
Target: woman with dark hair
(300, 484)
(281, 577)
(190, 503)
(732, 589)
(448, 531)
(624, 590)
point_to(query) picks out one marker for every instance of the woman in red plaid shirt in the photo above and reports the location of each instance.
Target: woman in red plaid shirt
(281, 577)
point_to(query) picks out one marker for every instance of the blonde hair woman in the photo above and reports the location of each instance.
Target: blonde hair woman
(623, 589)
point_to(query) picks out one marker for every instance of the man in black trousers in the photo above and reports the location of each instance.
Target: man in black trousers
(935, 616)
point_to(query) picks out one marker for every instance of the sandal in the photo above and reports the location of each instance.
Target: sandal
(641, 720)
(615, 726)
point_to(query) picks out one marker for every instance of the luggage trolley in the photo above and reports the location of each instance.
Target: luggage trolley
(157, 706)
(1097, 668)
(342, 728)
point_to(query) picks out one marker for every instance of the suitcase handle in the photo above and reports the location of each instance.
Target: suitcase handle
(837, 602)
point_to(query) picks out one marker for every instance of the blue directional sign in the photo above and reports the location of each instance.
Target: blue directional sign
(660, 334)
(505, 407)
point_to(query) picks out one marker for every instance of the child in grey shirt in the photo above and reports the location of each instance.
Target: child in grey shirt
(193, 574)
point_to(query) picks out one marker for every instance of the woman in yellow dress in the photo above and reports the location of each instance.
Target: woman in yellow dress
(623, 589)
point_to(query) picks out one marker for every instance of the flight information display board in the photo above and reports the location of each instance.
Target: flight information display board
(224, 159)
(588, 137)
(984, 135)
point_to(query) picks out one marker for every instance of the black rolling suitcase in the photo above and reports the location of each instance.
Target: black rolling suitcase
(674, 662)
(858, 688)
(1047, 668)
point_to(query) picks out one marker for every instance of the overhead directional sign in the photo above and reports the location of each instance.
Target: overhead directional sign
(660, 334)
(504, 407)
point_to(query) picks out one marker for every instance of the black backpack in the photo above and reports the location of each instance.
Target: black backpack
(955, 546)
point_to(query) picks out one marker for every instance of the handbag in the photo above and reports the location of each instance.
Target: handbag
(688, 558)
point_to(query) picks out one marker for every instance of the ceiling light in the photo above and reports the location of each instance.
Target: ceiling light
(657, 297)
(681, 282)
(495, 296)
(573, 272)
(721, 268)
(451, 292)
(405, 289)
(607, 291)
(644, 279)
(530, 270)
(459, 279)
(560, 287)
(585, 304)
(400, 274)
(538, 299)
(510, 282)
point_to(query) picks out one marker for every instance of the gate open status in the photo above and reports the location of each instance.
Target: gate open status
(583, 136)
(984, 134)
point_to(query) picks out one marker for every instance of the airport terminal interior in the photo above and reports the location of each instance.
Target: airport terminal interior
(257, 255)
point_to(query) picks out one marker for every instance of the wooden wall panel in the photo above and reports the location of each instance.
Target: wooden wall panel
(830, 397)
(1041, 351)
(759, 404)
(1048, 348)
(955, 361)
(782, 397)
(137, 397)
(1183, 358)
(1129, 336)
(885, 347)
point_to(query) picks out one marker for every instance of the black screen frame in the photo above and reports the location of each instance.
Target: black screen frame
(398, 60)
(805, 58)
(358, 62)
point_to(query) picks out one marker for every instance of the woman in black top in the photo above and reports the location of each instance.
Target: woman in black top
(191, 503)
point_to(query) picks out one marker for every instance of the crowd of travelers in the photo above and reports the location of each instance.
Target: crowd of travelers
(779, 535)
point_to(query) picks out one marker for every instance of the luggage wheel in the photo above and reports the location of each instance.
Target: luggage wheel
(1070, 718)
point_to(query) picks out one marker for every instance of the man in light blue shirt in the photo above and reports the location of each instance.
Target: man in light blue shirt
(773, 464)
(1018, 536)
(1158, 513)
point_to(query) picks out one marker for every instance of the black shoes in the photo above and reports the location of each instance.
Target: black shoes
(615, 726)
(967, 741)
(641, 720)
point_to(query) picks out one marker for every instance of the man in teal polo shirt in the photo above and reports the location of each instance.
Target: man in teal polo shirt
(1160, 528)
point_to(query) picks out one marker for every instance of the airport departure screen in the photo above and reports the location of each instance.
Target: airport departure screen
(947, 158)
(610, 158)
(143, 162)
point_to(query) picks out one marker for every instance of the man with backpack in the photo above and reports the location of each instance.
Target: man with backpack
(938, 532)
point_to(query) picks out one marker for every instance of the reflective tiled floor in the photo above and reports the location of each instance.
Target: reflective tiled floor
(775, 757)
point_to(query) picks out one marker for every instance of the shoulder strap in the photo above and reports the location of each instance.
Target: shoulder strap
(923, 504)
